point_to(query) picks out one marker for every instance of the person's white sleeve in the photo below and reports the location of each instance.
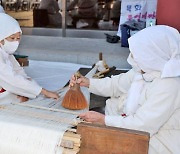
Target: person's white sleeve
(112, 87)
(16, 83)
(17, 68)
(160, 104)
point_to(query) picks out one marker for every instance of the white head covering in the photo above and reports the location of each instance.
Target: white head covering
(8, 26)
(156, 51)
(157, 48)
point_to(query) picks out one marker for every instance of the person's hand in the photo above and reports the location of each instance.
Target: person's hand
(22, 98)
(93, 117)
(50, 94)
(82, 81)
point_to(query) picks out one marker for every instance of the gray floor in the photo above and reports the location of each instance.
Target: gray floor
(81, 47)
(75, 33)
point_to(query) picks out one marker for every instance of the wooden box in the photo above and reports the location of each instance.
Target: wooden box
(98, 139)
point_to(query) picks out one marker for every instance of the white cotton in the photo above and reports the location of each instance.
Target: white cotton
(100, 65)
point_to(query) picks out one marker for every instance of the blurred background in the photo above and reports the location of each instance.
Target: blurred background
(81, 14)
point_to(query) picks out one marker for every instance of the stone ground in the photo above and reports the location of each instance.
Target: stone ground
(82, 47)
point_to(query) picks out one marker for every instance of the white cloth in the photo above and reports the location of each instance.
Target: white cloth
(52, 75)
(158, 109)
(157, 48)
(14, 80)
(100, 65)
(8, 26)
(1, 9)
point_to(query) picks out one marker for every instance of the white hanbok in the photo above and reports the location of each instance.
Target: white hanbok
(147, 97)
(15, 81)
(158, 111)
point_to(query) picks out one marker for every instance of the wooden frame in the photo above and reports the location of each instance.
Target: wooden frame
(98, 139)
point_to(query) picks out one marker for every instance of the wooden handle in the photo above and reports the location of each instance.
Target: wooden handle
(100, 56)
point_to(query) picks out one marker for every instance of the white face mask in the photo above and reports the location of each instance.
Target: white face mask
(131, 61)
(10, 47)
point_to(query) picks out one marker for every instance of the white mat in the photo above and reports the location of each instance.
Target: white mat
(52, 75)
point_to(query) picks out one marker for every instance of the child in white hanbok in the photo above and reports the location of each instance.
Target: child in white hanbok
(15, 85)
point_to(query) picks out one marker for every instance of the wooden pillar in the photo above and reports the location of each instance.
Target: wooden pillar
(168, 13)
(64, 12)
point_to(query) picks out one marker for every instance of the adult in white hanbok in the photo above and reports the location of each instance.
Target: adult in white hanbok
(15, 85)
(147, 97)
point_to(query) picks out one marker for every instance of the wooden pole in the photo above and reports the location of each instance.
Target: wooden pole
(64, 12)
(100, 56)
